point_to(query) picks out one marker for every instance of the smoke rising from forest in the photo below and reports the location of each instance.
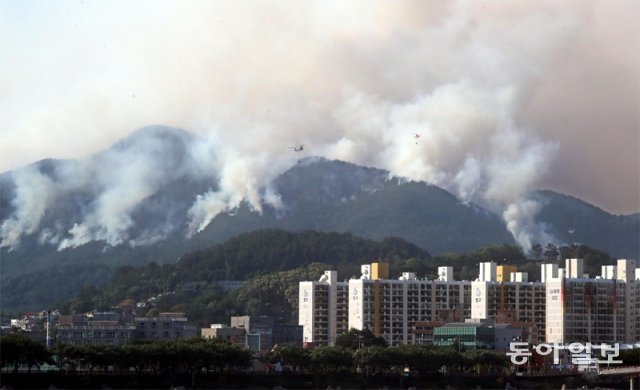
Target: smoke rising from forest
(350, 81)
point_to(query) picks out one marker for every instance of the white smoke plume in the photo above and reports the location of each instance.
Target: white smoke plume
(469, 144)
(124, 176)
(237, 184)
(34, 194)
(352, 81)
(521, 223)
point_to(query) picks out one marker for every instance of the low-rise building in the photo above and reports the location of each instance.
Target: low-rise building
(287, 334)
(166, 326)
(259, 330)
(477, 334)
(235, 336)
(96, 332)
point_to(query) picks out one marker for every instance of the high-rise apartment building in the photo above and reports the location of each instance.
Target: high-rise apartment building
(565, 307)
(389, 308)
(600, 310)
(526, 300)
(323, 309)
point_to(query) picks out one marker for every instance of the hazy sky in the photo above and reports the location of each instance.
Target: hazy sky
(77, 75)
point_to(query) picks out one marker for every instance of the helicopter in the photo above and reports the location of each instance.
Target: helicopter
(416, 136)
(297, 148)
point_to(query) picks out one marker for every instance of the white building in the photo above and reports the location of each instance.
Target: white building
(524, 300)
(600, 310)
(445, 274)
(487, 272)
(548, 271)
(391, 308)
(565, 307)
(388, 307)
(323, 309)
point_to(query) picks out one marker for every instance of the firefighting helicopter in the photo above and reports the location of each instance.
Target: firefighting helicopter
(416, 136)
(297, 148)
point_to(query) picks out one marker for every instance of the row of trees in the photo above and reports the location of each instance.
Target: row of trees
(550, 251)
(362, 350)
(19, 350)
(419, 360)
(168, 357)
(200, 355)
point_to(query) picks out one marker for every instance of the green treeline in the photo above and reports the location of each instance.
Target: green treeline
(266, 251)
(18, 350)
(251, 257)
(200, 355)
(420, 360)
(192, 355)
(218, 356)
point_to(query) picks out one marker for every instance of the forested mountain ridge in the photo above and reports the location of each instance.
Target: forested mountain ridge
(251, 256)
(318, 194)
(572, 220)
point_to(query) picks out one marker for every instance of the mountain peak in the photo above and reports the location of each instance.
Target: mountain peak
(155, 132)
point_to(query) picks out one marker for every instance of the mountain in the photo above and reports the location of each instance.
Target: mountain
(572, 220)
(272, 261)
(143, 186)
(336, 196)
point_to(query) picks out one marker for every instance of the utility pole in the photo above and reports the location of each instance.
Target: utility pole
(48, 329)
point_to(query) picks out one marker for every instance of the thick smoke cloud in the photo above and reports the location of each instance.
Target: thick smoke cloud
(469, 144)
(34, 194)
(351, 81)
(124, 176)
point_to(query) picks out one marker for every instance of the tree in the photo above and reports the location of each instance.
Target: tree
(98, 355)
(326, 359)
(415, 357)
(551, 252)
(373, 358)
(291, 355)
(133, 355)
(10, 351)
(487, 361)
(504, 252)
(18, 349)
(630, 357)
(67, 355)
(537, 251)
(356, 339)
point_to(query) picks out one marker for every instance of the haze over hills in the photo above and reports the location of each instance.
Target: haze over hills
(572, 220)
(132, 204)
